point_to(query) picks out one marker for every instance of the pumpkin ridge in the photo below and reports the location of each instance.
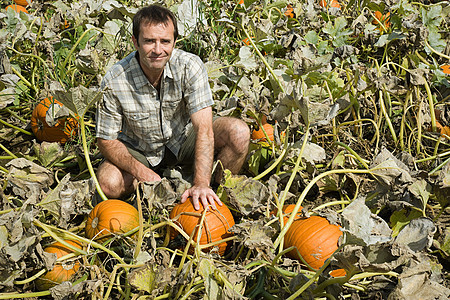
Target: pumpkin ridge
(318, 236)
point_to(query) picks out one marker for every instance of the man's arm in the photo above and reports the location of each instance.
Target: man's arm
(203, 162)
(117, 153)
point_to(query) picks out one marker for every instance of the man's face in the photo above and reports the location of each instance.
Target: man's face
(155, 45)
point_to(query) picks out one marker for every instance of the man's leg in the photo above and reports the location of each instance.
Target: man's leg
(114, 182)
(231, 141)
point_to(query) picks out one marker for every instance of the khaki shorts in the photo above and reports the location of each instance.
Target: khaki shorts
(186, 154)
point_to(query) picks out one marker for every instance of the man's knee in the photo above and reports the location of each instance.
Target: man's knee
(234, 133)
(240, 135)
(112, 182)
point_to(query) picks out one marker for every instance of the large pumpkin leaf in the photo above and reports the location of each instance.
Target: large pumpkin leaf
(212, 288)
(78, 99)
(417, 235)
(28, 179)
(49, 153)
(362, 227)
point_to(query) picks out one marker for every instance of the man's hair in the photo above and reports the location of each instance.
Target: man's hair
(154, 14)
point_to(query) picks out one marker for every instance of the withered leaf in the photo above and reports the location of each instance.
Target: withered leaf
(246, 195)
(255, 235)
(361, 226)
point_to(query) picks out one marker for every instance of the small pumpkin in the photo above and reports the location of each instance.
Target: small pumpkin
(215, 226)
(111, 216)
(289, 12)
(259, 134)
(62, 271)
(444, 130)
(287, 210)
(334, 3)
(23, 2)
(17, 8)
(314, 237)
(61, 131)
(246, 41)
(381, 18)
(445, 69)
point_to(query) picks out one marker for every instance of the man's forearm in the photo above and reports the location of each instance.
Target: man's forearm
(117, 153)
(204, 156)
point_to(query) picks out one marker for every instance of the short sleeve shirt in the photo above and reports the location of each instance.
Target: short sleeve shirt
(133, 111)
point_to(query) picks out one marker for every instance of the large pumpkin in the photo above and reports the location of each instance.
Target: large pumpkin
(111, 216)
(62, 271)
(215, 227)
(17, 8)
(259, 134)
(64, 128)
(314, 237)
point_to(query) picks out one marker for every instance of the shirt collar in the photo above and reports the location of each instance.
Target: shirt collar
(139, 77)
(137, 74)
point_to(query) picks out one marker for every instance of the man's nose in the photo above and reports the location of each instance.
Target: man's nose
(157, 48)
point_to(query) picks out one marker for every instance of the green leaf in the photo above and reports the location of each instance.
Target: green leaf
(246, 195)
(109, 40)
(401, 218)
(78, 99)
(247, 59)
(143, 278)
(212, 288)
(431, 16)
(311, 37)
(434, 38)
(49, 153)
(445, 246)
(422, 190)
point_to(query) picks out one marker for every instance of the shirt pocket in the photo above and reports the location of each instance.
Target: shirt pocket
(142, 124)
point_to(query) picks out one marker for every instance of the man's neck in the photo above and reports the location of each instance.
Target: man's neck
(153, 76)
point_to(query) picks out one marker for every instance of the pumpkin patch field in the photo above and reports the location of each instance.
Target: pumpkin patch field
(345, 192)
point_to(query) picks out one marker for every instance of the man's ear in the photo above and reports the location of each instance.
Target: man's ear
(135, 41)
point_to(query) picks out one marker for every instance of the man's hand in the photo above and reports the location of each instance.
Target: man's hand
(201, 194)
(145, 174)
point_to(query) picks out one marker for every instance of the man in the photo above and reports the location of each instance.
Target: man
(143, 118)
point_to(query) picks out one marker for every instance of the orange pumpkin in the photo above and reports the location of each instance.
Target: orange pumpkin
(334, 3)
(17, 8)
(287, 209)
(314, 237)
(62, 271)
(314, 252)
(246, 41)
(445, 69)
(380, 18)
(111, 216)
(215, 226)
(289, 12)
(444, 130)
(64, 129)
(23, 2)
(259, 134)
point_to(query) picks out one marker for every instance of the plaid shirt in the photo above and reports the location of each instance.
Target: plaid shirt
(132, 111)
